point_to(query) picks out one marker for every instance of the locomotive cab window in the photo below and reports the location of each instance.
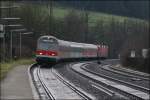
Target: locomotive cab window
(47, 43)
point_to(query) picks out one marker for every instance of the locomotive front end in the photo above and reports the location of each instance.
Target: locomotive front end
(47, 50)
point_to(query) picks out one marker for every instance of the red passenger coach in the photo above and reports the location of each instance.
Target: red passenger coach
(102, 51)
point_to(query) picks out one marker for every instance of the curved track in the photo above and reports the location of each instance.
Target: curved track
(114, 65)
(51, 85)
(41, 89)
(103, 80)
(104, 71)
(130, 72)
(96, 90)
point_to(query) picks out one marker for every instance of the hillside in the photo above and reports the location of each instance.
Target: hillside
(130, 8)
(70, 24)
(60, 12)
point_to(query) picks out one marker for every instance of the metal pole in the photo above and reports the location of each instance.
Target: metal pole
(4, 45)
(20, 44)
(50, 7)
(86, 21)
(11, 45)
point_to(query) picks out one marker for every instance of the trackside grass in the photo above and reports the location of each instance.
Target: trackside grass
(5, 67)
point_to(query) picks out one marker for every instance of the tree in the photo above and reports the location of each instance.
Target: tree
(73, 27)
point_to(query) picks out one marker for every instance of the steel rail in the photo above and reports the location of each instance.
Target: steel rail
(132, 72)
(48, 93)
(33, 84)
(83, 95)
(125, 93)
(120, 81)
(34, 72)
(123, 73)
(42, 88)
(100, 87)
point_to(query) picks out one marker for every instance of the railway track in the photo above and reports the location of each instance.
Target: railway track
(114, 65)
(113, 85)
(124, 73)
(85, 84)
(51, 85)
(41, 90)
(133, 81)
(131, 72)
(120, 81)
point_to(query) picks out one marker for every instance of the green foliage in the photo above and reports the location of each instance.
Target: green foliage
(74, 25)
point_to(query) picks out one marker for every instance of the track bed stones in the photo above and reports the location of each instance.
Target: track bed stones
(84, 83)
(120, 88)
(50, 86)
(104, 70)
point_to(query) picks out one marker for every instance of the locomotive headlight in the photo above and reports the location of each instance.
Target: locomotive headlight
(53, 54)
(40, 53)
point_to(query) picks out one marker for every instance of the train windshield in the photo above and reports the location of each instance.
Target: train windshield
(47, 44)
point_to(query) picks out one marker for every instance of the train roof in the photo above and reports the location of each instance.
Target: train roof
(47, 36)
(69, 43)
(76, 44)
